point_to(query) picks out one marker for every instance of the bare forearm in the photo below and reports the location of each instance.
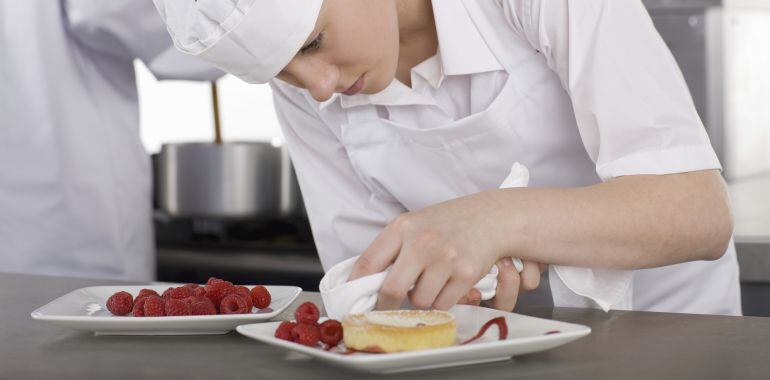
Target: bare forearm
(628, 223)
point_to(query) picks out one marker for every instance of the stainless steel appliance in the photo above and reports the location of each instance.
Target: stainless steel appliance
(209, 180)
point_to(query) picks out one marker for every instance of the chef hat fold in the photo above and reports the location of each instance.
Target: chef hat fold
(251, 39)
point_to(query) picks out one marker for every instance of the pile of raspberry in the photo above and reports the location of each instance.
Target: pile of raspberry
(307, 331)
(216, 297)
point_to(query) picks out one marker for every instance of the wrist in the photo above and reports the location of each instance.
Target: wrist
(506, 221)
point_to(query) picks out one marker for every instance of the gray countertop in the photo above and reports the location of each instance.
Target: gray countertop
(628, 345)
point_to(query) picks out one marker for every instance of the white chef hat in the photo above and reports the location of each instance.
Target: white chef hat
(251, 39)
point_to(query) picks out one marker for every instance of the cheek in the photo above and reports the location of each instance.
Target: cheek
(383, 49)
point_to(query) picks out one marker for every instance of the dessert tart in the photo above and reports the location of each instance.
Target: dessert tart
(399, 330)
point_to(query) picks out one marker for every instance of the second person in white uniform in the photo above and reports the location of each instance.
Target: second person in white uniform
(403, 117)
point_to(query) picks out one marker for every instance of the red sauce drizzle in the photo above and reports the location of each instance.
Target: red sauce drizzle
(502, 327)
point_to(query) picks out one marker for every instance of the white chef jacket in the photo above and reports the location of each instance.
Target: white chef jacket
(75, 183)
(613, 103)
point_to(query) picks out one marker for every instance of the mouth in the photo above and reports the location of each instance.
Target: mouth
(356, 87)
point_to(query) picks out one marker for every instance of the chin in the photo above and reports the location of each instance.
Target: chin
(377, 83)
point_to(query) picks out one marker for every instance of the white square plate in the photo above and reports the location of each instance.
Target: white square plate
(84, 309)
(525, 335)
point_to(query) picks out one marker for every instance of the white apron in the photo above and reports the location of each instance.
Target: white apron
(418, 166)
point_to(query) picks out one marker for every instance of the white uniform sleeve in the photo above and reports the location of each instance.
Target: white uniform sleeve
(344, 215)
(632, 106)
(129, 29)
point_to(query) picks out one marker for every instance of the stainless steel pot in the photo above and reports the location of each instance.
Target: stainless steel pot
(229, 180)
(292, 205)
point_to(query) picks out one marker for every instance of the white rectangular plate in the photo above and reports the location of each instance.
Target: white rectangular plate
(525, 335)
(84, 309)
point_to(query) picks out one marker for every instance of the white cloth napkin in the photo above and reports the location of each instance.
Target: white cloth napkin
(570, 286)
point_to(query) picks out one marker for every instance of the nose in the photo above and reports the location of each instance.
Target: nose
(319, 78)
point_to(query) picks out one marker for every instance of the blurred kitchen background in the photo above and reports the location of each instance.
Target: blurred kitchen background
(236, 211)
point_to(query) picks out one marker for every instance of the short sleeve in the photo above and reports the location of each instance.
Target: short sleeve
(345, 216)
(632, 105)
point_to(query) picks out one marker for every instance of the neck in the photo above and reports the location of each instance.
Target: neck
(417, 36)
(415, 18)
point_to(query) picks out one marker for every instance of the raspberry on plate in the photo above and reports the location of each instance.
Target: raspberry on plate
(284, 331)
(260, 297)
(120, 303)
(176, 307)
(244, 292)
(154, 307)
(179, 293)
(331, 332)
(307, 313)
(307, 334)
(144, 293)
(202, 306)
(234, 304)
(199, 291)
(138, 310)
(217, 290)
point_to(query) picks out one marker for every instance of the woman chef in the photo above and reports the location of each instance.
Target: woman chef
(403, 117)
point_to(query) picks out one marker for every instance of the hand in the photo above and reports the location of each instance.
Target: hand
(442, 251)
(510, 282)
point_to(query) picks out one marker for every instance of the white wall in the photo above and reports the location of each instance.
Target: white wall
(746, 55)
(179, 111)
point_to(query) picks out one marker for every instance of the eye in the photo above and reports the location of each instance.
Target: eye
(313, 45)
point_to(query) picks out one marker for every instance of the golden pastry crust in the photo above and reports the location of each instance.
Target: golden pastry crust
(399, 330)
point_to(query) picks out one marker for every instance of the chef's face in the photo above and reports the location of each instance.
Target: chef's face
(353, 49)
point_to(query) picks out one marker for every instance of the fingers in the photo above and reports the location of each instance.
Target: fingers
(507, 292)
(472, 298)
(397, 283)
(530, 276)
(454, 290)
(428, 287)
(379, 255)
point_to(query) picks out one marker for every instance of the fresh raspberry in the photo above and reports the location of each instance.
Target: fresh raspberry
(307, 313)
(146, 292)
(331, 332)
(120, 303)
(243, 292)
(260, 297)
(166, 294)
(307, 334)
(202, 306)
(217, 290)
(213, 280)
(191, 286)
(199, 292)
(178, 293)
(284, 331)
(233, 304)
(153, 307)
(175, 307)
(138, 310)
